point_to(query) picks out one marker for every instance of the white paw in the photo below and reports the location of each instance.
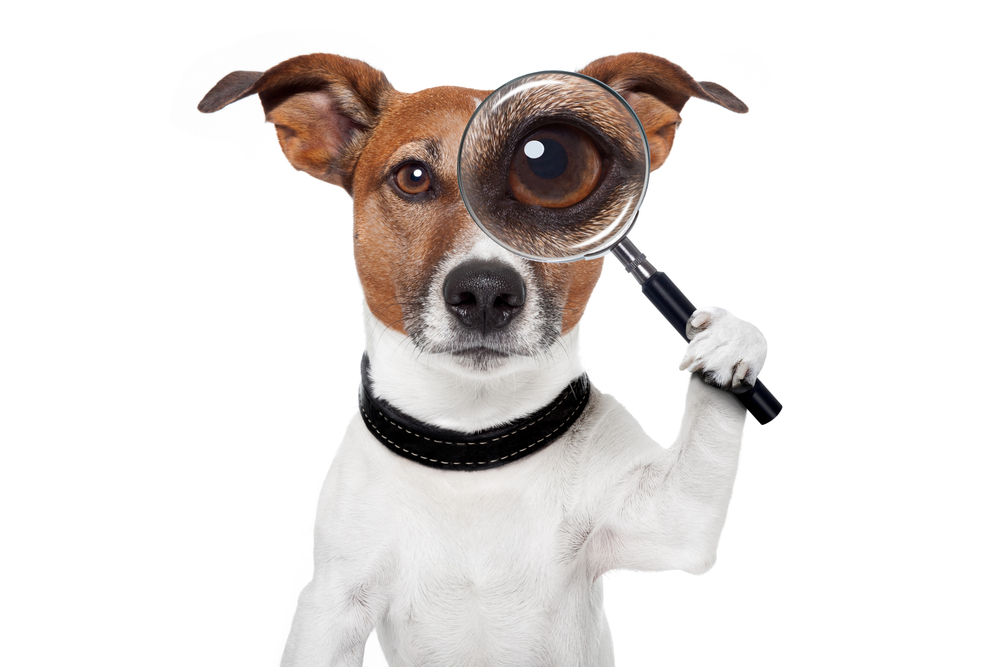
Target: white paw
(727, 351)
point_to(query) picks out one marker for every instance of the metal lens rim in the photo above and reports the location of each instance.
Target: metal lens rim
(605, 247)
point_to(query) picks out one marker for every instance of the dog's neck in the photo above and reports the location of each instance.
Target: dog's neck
(434, 389)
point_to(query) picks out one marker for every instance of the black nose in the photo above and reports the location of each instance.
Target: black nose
(484, 295)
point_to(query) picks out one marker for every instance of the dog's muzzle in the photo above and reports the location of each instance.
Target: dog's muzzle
(484, 295)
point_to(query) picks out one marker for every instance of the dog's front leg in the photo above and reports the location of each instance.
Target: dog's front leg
(671, 505)
(332, 621)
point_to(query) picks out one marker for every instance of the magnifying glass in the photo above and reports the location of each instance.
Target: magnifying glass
(553, 166)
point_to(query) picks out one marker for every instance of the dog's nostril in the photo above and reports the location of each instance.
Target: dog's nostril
(465, 299)
(484, 295)
(508, 301)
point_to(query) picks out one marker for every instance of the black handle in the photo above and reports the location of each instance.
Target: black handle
(674, 306)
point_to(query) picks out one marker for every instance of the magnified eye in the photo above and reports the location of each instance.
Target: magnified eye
(555, 167)
(412, 178)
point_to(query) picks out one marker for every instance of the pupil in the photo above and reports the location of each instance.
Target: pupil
(552, 162)
(416, 175)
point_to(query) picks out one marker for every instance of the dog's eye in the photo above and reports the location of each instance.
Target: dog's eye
(413, 178)
(555, 166)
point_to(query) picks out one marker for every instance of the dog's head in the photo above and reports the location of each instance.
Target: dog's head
(426, 269)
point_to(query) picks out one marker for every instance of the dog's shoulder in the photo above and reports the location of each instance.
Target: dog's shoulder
(610, 432)
(602, 450)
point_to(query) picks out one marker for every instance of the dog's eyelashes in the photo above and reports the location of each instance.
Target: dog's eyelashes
(555, 166)
(413, 178)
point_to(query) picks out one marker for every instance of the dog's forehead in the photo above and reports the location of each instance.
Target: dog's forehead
(438, 114)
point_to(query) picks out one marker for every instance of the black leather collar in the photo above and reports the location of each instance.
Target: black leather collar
(453, 450)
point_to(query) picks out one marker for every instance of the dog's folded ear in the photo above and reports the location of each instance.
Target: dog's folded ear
(657, 90)
(323, 107)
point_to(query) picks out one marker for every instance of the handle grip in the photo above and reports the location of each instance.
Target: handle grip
(674, 306)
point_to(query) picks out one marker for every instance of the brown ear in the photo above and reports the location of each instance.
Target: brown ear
(657, 90)
(323, 107)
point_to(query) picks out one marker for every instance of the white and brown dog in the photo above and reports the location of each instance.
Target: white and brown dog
(484, 487)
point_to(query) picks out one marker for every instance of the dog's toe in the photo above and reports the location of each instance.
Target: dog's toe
(743, 378)
(700, 320)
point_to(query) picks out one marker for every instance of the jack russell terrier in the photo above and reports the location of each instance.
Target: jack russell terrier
(484, 486)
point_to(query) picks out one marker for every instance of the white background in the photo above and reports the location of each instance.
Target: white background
(180, 321)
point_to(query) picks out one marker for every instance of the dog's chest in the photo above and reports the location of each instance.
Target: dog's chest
(490, 571)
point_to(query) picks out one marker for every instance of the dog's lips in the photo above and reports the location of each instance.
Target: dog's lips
(479, 351)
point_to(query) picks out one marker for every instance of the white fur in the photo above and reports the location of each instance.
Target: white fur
(503, 566)
(454, 398)
(734, 348)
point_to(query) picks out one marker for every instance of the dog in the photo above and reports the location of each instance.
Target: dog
(484, 487)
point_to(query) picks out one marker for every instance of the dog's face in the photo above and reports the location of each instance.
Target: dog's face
(426, 269)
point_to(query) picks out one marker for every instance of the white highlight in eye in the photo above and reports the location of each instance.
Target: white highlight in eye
(417, 173)
(534, 149)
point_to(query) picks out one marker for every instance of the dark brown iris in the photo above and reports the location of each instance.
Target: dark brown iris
(555, 167)
(413, 178)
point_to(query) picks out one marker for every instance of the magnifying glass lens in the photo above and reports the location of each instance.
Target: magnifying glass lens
(553, 166)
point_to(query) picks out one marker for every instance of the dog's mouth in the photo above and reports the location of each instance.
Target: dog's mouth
(480, 351)
(472, 347)
(481, 356)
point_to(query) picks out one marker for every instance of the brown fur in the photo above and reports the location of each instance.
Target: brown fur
(398, 242)
(657, 90)
(658, 121)
(340, 120)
